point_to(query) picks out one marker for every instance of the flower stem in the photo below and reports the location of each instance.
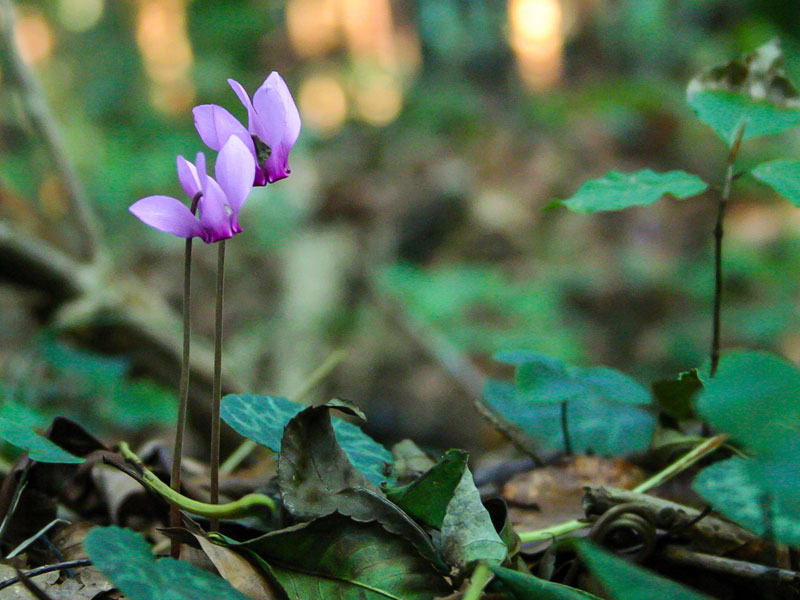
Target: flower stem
(478, 582)
(217, 394)
(718, 234)
(183, 386)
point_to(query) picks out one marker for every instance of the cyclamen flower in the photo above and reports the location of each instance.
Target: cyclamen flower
(273, 126)
(220, 200)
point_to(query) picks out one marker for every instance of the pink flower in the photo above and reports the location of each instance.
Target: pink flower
(272, 129)
(219, 201)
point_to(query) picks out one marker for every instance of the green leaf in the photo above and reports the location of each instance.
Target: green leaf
(755, 397)
(742, 489)
(336, 557)
(608, 428)
(126, 559)
(751, 91)
(617, 191)
(426, 499)
(316, 479)
(674, 396)
(38, 447)
(468, 534)
(528, 587)
(783, 175)
(263, 418)
(625, 581)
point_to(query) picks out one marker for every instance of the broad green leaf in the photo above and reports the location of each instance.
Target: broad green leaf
(782, 175)
(623, 580)
(468, 534)
(751, 91)
(755, 397)
(426, 499)
(528, 587)
(38, 447)
(608, 428)
(126, 559)
(316, 479)
(610, 385)
(617, 191)
(336, 557)
(674, 396)
(263, 418)
(741, 489)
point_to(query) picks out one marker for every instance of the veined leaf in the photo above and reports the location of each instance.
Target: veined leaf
(783, 176)
(617, 191)
(336, 557)
(528, 587)
(126, 559)
(263, 418)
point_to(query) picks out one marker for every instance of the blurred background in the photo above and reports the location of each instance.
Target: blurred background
(413, 231)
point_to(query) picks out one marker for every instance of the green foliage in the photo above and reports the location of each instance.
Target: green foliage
(38, 447)
(755, 397)
(617, 191)
(263, 419)
(762, 495)
(479, 310)
(522, 586)
(468, 534)
(626, 581)
(126, 559)
(604, 411)
(426, 498)
(337, 557)
(674, 396)
(783, 175)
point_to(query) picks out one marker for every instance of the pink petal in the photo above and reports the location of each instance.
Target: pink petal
(215, 125)
(202, 174)
(292, 130)
(235, 171)
(244, 98)
(187, 174)
(168, 215)
(271, 115)
(214, 213)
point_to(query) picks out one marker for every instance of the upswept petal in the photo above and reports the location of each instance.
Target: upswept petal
(215, 125)
(187, 174)
(200, 169)
(213, 213)
(245, 99)
(292, 131)
(169, 215)
(271, 114)
(235, 170)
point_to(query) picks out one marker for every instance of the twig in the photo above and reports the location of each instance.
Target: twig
(21, 76)
(31, 587)
(728, 566)
(81, 562)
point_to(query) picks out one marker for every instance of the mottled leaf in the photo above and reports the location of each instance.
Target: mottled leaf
(335, 557)
(617, 191)
(751, 91)
(607, 428)
(468, 534)
(262, 419)
(762, 495)
(623, 580)
(38, 447)
(783, 176)
(426, 499)
(126, 559)
(755, 397)
(528, 587)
